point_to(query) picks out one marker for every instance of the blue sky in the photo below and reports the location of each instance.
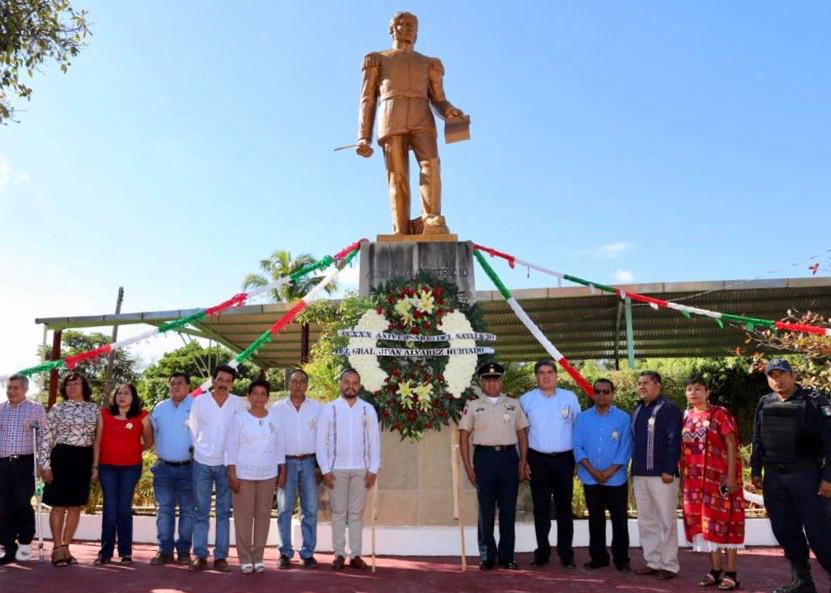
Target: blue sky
(618, 141)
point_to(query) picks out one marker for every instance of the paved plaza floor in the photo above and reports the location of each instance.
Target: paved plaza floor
(760, 570)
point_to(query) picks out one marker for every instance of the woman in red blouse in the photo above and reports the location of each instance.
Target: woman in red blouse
(124, 432)
(712, 484)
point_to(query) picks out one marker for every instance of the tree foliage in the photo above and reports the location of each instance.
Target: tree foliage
(125, 366)
(732, 383)
(279, 265)
(197, 361)
(809, 354)
(33, 32)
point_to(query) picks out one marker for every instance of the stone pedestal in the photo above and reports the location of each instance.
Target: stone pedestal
(415, 485)
(450, 261)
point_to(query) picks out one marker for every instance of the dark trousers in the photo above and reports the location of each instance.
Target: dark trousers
(17, 518)
(552, 475)
(615, 499)
(796, 510)
(497, 481)
(118, 483)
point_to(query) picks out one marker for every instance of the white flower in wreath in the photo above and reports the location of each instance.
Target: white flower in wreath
(402, 307)
(460, 368)
(425, 302)
(367, 365)
(424, 393)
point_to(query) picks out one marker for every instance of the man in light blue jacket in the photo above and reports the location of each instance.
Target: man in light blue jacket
(602, 450)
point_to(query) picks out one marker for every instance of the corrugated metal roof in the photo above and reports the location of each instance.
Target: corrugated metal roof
(581, 323)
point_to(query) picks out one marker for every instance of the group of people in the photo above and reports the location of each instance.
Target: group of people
(544, 435)
(218, 446)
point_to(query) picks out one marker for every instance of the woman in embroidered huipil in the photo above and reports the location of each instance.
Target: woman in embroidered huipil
(712, 484)
(68, 471)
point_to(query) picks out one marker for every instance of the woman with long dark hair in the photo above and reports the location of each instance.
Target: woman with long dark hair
(124, 431)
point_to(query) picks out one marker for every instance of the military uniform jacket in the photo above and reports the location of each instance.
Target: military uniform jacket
(406, 83)
(493, 424)
(792, 435)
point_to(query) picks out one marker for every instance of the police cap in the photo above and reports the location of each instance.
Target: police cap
(490, 369)
(778, 364)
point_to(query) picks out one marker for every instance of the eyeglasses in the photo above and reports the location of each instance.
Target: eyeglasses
(600, 391)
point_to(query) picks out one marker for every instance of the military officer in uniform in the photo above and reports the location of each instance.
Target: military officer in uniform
(792, 443)
(406, 86)
(496, 425)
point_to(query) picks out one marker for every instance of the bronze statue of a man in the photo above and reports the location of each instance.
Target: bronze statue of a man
(407, 84)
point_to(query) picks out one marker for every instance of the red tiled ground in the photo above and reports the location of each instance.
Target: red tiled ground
(760, 569)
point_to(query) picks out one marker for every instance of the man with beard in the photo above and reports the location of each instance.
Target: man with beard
(349, 454)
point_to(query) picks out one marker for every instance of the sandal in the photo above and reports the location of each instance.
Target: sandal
(711, 579)
(58, 558)
(70, 559)
(729, 582)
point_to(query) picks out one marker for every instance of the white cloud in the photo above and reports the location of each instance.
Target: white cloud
(624, 276)
(9, 173)
(609, 250)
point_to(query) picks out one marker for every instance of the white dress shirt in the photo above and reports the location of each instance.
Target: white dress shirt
(348, 437)
(298, 426)
(255, 446)
(209, 424)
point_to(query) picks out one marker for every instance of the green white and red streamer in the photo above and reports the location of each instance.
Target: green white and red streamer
(533, 328)
(749, 323)
(346, 256)
(237, 300)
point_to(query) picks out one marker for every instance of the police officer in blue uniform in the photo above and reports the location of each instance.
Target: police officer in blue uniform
(495, 424)
(792, 443)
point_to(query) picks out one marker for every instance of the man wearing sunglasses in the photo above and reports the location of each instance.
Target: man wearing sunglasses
(551, 412)
(602, 450)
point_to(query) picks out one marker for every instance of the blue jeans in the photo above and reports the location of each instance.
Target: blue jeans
(204, 479)
(301, 475)
(173, 486)
(118, 483)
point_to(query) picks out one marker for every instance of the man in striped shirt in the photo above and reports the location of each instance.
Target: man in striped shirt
(18, 418)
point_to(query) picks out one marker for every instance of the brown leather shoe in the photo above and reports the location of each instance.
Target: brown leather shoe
(668, 574)
(198, 563)
(338, 563)
(358, 563)
(221, 565)
(647, 570)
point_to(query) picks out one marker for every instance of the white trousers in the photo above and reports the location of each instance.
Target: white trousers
(657, 521)
(348, 499)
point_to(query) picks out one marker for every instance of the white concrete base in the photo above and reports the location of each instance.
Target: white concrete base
(418, 541)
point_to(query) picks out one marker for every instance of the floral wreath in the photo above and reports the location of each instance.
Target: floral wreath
(416, 393)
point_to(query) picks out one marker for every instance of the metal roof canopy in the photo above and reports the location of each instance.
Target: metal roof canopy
(582, 324)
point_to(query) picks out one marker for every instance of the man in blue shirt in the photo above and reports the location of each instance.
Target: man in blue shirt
(173, 472)
(602, 450)
(656, 436)
(551, 414)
